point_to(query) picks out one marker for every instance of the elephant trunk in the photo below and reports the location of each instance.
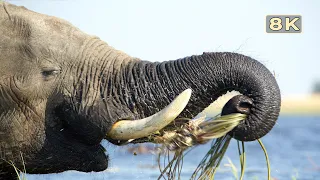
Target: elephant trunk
(148, 87)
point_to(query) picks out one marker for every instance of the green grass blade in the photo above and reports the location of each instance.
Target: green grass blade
(267, 158)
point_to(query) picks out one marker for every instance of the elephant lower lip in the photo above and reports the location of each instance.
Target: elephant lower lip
(72, 155)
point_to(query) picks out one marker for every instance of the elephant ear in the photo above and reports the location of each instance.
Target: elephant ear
(91, 123)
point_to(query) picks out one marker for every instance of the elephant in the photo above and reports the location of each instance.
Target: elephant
(63, 91)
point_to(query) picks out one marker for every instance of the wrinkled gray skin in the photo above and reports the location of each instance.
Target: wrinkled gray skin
(61, 90)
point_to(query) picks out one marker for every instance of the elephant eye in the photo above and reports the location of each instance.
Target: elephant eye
(48, 74)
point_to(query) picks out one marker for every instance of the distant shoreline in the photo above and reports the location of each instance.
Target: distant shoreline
(301, 105)
(290, 105)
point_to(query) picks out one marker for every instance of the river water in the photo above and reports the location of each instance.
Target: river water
(293, 147)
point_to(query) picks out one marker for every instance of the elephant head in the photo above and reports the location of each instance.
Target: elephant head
(63, 91)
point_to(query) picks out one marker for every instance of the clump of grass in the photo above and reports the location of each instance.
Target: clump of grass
(186, 134)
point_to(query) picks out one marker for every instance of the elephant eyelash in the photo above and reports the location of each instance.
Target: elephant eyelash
(50, 73)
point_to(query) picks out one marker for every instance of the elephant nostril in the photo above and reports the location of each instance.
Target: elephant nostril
(247, 105)
(238, 104)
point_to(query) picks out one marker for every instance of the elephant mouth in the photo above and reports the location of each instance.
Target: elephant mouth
(129, 131)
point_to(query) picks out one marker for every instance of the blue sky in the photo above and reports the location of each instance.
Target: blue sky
(167, 30)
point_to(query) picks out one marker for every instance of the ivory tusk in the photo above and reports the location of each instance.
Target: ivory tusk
(134, 129)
